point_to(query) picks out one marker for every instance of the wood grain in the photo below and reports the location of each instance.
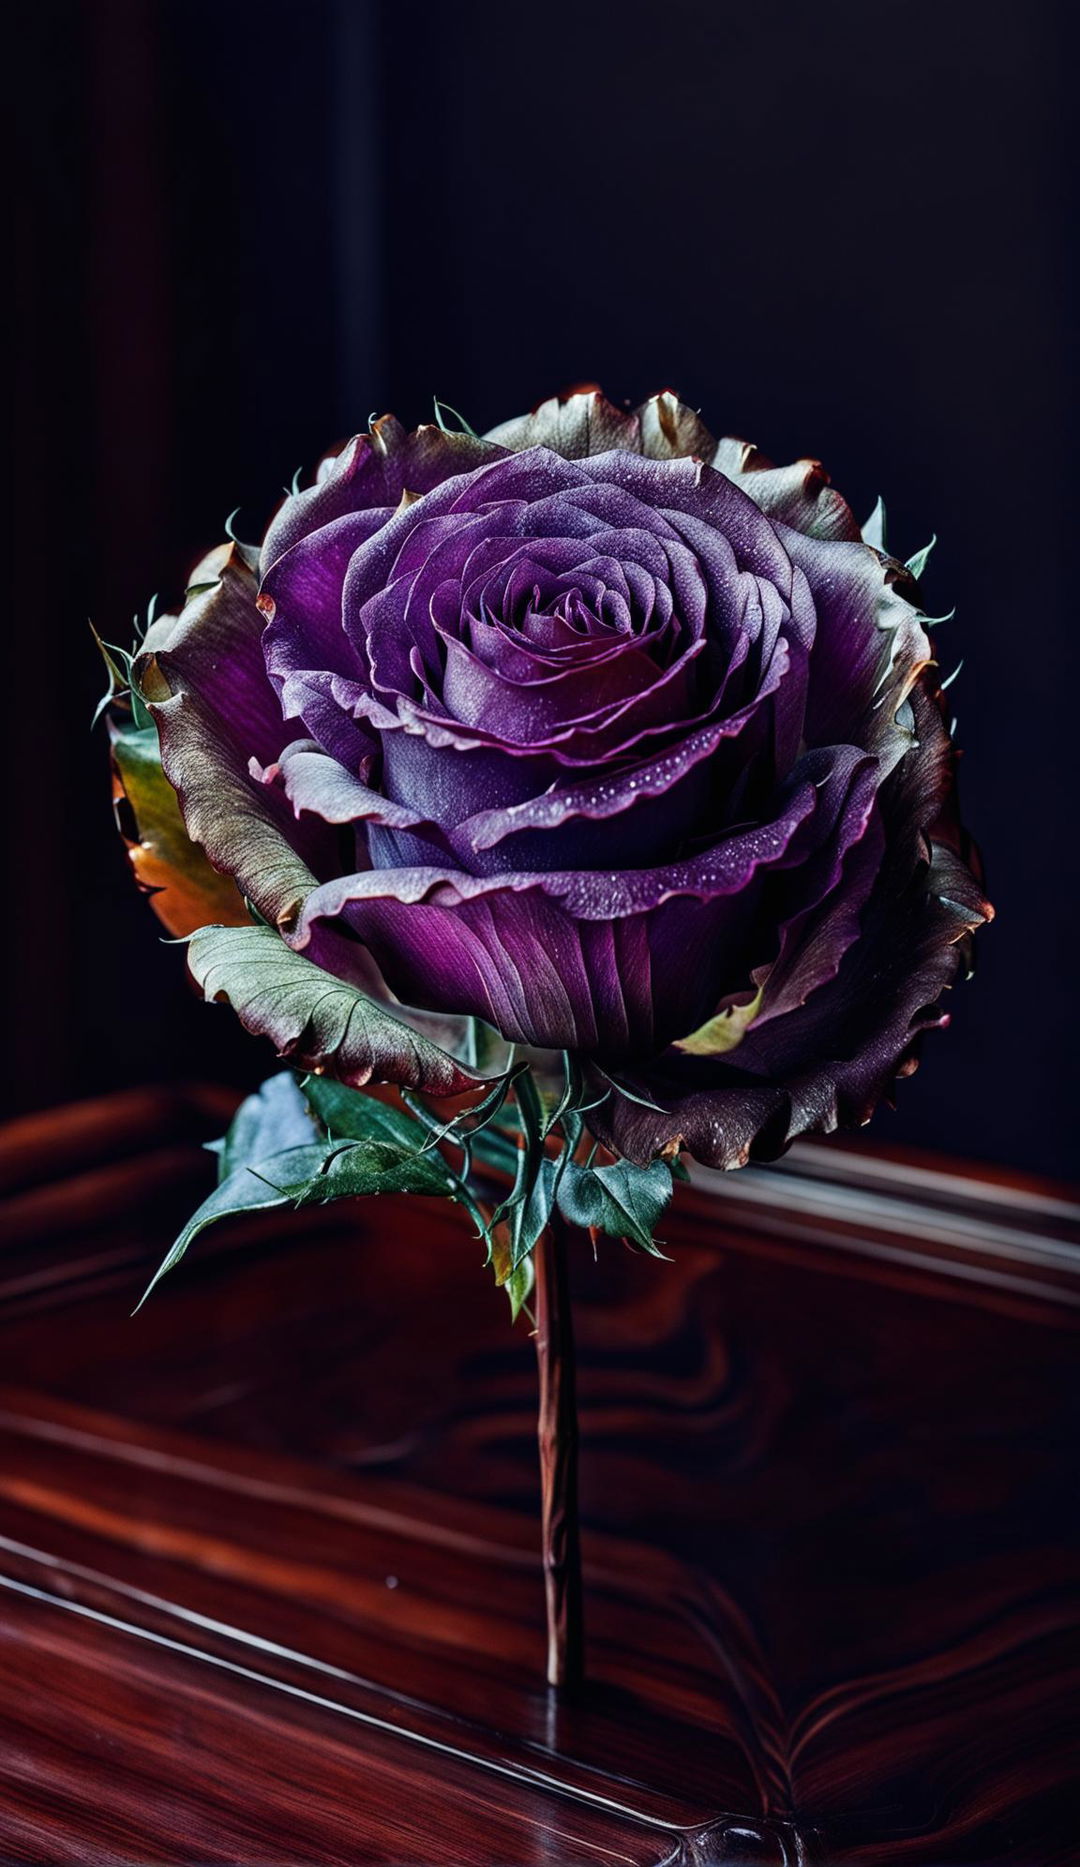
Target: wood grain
(269, 1574)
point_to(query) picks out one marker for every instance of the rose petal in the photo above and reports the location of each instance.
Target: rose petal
(319, 1023)
(214, 708)
(370, 474)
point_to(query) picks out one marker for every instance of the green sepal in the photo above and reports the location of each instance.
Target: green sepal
(493, 1147)
(122, 688)
(917, 564)
(873, 532)
(460, 1132)
(443, 408)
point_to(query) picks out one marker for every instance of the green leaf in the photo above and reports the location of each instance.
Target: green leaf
(623, 1200)
(350, 1115)
(252, 1188)
(531, 1217)
(307, 1145)
(315, 1021)
(873, 532)
(917, 564)
(364, 1168)
(270, 1121)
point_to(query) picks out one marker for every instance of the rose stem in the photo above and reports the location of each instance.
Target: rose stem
(557, 1431)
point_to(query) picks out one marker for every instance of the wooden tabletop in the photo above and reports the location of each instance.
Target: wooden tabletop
(269, 1588)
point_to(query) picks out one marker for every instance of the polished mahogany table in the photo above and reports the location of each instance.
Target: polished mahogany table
(269, 1588)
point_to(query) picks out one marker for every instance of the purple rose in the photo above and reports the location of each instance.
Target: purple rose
(618, 739)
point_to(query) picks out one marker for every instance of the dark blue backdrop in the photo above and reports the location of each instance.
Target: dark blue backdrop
(839, 230)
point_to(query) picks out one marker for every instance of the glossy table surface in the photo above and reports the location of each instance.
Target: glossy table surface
(269, 1588)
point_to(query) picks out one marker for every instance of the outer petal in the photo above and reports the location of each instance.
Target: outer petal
(800, 495)
(585, 422)
(582, 423)
(869, 650)
(206, 684)
(863, 1034)
(664, 428)
(828, 1062)
(321, 1024)
(372, 473)
(539, 974)
(185, 891)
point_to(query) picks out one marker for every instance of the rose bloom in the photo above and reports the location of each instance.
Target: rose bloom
(613, 736)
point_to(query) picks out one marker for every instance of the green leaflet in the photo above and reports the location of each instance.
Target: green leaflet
(270, 1121)
(623, 1200)
(299, 1147)
(528, 1214)
(271, 1141)
(251, 1188)
(350, 1115)
(393, 1152)
(369, 1167)
(310, 1176)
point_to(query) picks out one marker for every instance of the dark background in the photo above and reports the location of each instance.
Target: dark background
(243, 225)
